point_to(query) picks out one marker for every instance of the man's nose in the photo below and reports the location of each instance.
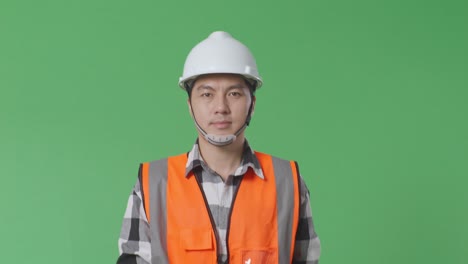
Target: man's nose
(221, 105)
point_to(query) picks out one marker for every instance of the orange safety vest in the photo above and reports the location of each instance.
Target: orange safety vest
(263, 220)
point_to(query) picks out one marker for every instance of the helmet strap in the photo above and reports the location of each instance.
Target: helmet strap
(222, 140)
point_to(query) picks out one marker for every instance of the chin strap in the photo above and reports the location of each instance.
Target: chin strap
(219, 140)
(222, 140)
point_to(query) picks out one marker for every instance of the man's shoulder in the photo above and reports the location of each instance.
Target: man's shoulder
(158, 168)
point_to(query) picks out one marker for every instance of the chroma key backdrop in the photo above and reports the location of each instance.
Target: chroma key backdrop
(370, 97)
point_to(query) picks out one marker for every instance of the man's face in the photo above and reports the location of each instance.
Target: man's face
(220, 103)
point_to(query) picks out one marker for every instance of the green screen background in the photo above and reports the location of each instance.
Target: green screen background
(370, 97)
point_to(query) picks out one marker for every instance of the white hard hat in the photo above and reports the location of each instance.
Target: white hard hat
(220, 53)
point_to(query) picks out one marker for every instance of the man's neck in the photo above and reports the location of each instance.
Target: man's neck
(222, 159)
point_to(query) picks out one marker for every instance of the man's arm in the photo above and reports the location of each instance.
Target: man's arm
(307, 246)
(134, 241)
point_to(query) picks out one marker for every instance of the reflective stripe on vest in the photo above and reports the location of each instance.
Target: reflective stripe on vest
(261, 228)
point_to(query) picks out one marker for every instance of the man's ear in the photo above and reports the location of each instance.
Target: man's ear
(189, 107)
(254, 99)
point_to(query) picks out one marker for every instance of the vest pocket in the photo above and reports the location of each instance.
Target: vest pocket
(258, 256)
(198, 245)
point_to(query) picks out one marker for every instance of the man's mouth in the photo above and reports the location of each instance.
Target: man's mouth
(221, 124)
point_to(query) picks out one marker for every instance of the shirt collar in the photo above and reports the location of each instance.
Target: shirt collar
(249, 160)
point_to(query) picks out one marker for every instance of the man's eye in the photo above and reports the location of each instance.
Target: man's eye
(206, 94)
(235, 94)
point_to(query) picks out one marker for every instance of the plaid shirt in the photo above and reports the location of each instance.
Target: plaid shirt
(134, 241)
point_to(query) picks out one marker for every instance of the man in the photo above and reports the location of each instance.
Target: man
(221, 202)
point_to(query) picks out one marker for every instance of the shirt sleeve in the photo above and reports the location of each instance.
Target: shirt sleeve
(134, 242)
(307, 246)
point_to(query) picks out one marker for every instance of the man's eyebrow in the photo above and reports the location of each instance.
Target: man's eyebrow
(204, 87)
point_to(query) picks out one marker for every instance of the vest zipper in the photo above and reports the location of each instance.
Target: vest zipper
(228, 228)
(213, 225)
